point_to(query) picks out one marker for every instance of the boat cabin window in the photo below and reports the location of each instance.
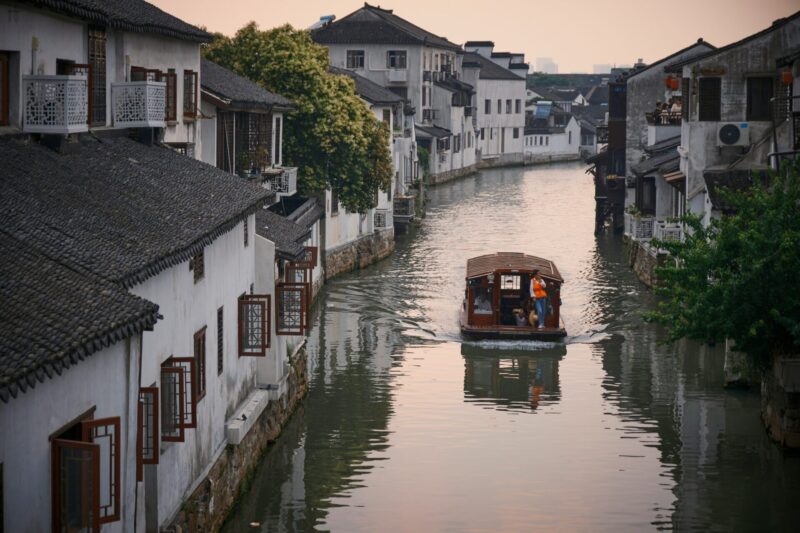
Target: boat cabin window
(510, 282)
(482, 303)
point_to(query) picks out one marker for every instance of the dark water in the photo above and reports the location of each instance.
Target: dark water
(406, 428)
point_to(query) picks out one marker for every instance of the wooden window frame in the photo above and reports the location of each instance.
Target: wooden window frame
(171, 102)
(200, 363)
(89, 430)
(220, 340)
(264, 302)
(97, 69)
(142, 430)
(190, 379)
(198, 265)
(93, 504)
(190, 107)
(181, 403)
(280, 290)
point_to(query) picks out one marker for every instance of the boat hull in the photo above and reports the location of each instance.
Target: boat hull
(511, 332)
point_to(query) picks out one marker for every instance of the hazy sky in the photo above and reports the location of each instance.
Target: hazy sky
(575, 33)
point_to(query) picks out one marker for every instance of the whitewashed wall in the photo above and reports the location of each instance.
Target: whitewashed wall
(558, 144)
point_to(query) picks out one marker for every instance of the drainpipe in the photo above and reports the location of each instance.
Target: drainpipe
(34, 53)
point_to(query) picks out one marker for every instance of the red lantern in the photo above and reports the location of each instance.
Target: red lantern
(786, 77)
(672, 83)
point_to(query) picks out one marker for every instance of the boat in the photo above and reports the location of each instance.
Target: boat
(497, 291)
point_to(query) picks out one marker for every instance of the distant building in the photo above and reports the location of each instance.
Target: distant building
(601, 68)
(546, 65)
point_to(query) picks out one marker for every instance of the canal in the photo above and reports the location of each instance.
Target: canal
(407, 428)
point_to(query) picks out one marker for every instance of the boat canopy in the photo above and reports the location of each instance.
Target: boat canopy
(510, 262)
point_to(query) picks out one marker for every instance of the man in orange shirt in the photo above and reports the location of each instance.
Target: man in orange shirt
(539, 293)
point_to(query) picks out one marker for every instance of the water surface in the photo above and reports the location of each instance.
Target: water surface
(407, 428)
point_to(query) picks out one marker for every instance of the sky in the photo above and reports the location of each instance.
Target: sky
(577, 34)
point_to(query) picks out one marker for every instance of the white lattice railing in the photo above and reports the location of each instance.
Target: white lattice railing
(139, 104)
(381, 219)
(403, 206)
(668, 231)
(285, 183)
(639, 228)
(55, 104)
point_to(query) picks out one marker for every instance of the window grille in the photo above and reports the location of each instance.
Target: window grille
(190, 93)
(355, 59)
(147, 435)
(396, 59)
(76, 485)
(254, 324)
(759, 93)
(190, 380)
(292, 308)
(173, 403)
(105, 432)
(97, 75)
(171, 79)
(200, 362)
(710, 99)
(197, 265)
(220, 341)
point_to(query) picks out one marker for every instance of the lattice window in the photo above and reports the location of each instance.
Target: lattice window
(190, 380)
(220, 341)
(171, 95)
(254, 324)
(197, 265)
(253, 141)
(246, 234)
(147, 435)
(52, 103)
(292, 311)
(200, 362)
(190, 89)
(76, 485)
(173, 403)
(97, 75)
(105, 433)
(710, 99)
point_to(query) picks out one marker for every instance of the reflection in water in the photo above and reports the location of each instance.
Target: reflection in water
(511, 379)
(406, 428)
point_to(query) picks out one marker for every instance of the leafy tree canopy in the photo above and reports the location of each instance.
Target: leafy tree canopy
(331, 136)
(739, 278)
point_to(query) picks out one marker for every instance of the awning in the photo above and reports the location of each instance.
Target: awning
(677, 179)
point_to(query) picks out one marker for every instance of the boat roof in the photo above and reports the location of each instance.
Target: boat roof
(486, 264)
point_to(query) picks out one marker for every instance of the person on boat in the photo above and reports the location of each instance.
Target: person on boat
(539, 292)
(519, 316)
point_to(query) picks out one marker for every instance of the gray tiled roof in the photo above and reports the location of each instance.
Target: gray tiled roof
(669, 143)
(489, 69)
(127, 15)
(54, 316)
(368, 89)
(116, 207)
(373, 25)
(239, 90)
(287, 235)
(434, 131)
(655, 163)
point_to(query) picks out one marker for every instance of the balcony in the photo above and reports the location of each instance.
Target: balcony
(639, 228)
(55, 104)
(668, 231)
(139, 104)
(403, 207)
(669, 118)
(381, 219)
(397, 76)
(281, 180)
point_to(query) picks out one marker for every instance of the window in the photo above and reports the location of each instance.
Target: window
(97, 75)
(86, 475)
(510, 282)
(197, 265)
(487, 107)
(246, 233)
(355, 59)
(220, 341)
(457, 143)
(483, 133)
(685, 97)
(396, 59)
(491, 133)
(5, 72)
(313, 255)
(709, 99)
(424, 96)
(173, 403)
(646, 195)
(171, 80)
(147, 434)
(499, 106)
(518, 106)
(508, 106)
(482, 301)
(759, 92)
(334, 202)
(569, 137)
(200, 363)
(277, 141)
(291, 316)
(516, 133)
(254, 324)
(190, 382)
(387, 118)
(547, 141)
(190, 93)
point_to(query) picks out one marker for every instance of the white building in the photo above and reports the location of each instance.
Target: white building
(406, 59)
(553, 143)
(499, 113)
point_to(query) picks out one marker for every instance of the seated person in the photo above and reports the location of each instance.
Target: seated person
(519, 316)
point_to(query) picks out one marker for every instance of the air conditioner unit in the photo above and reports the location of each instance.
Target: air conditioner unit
(733, 134)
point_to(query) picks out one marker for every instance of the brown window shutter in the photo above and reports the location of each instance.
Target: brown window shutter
(107, 430)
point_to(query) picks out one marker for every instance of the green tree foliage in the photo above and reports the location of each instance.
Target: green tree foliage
(739, 278)
(331, 136)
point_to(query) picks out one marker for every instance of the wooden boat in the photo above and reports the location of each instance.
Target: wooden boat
(497, 288)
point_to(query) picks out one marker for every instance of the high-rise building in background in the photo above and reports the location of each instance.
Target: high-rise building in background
(601, 68)
(547, 65)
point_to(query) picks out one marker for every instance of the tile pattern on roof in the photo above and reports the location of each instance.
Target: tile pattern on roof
(489, 69)
(368, 89)
(287, 235)
(229, 85)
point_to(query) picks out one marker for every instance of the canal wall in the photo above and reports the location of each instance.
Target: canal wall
(359, 253)
(780, 401)
(537, 159)
(644, 261)
(450, 175)
(213, 498)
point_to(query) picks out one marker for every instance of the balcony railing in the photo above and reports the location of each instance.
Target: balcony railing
(55, 104)
(381, 219)
(403, 207)
(670, 118)
(668, 231)
(639, 228)
(139, 104)
(283, 183)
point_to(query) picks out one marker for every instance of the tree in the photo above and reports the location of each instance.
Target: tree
(331, 136)
(739, 278)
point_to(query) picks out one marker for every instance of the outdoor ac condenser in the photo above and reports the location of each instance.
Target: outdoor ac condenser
(733, 134)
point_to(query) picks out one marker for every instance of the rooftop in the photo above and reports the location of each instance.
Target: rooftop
(288, 236)
(126, 15)
(670, 59)
(489, 69)
(478, 44)
(486, 264)
(237, 90)
(54, 316)
(369, 90)
(434, 131)
(373, 25)
(118, 208)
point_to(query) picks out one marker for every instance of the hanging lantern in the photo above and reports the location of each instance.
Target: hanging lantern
(786, 77)
(672, 83)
